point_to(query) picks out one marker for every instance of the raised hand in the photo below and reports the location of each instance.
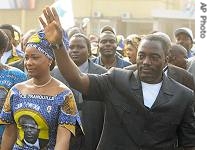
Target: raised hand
(52, 26)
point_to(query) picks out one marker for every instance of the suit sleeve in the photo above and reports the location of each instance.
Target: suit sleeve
(186, 131)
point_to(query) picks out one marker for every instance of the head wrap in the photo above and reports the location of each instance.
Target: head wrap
(39, 42)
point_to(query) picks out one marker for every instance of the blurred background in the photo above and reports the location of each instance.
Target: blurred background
(126, 16)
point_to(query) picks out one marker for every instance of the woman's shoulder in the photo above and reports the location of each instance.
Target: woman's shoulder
(61, 89)
(21, 84)
(61, 86)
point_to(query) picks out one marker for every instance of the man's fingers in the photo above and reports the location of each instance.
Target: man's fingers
(42, 22)
(46, 16)
(50, 14)
(56, 17)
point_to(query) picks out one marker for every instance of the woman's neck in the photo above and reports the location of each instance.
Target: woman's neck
(42, 82)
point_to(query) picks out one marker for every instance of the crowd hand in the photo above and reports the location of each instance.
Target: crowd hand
(52, 26)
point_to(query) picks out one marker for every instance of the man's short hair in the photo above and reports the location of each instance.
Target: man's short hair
(8, 27)
(107, 28)
(185, 30)
(165, 42)
(26, 117)
(80, 35)
(4, 41)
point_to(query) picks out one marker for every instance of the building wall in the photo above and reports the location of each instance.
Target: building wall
(114, 8)
(127, 16)
(26, 19)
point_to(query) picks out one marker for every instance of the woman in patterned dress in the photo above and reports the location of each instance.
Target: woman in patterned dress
(41, 112)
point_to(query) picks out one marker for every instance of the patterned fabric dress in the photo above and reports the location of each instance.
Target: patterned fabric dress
(38, 116)
(9, 76)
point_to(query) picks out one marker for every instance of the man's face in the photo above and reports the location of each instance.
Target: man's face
(184, 40)
(131, 52)
(179, 59)
(107, 44)
(78, 50)
(150, 61)
(31, 131)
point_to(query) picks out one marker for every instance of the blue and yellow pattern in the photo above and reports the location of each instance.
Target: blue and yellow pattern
(9, 76)
(47, 112)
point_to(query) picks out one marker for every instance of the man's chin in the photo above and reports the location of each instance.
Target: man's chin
(147, 79)
(108, 54)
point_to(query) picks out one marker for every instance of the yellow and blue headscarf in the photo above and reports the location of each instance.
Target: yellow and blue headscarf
(39, 42)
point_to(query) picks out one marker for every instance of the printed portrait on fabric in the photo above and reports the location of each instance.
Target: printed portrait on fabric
(33, 130)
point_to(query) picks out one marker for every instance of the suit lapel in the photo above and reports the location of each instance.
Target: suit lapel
(90, 67)
(165, 93)
(171, 72)
(136, 89)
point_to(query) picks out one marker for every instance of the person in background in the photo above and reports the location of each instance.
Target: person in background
(45, 99)
(94, 44)
(120, 45)
(17, 36)
(20, 63)
(11, 54)
(184, 36)
(73, 30)
(91, 112)
(25, 38)
(144, 109)
(9, 76)
(178, 56)
(131, 47)
(191, 66)
(107, 48)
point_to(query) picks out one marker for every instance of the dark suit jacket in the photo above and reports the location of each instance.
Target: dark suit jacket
(178, 74)
(181, 76)
(129, 125)
(92, 113)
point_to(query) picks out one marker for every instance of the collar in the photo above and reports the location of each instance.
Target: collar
(84, 67)
(36, 144)
(108, 67)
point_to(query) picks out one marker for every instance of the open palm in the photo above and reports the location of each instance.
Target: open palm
(52, 26)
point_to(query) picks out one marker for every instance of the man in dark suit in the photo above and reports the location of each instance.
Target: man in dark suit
(91, 112)
(144, 109)
(178, 56)
(178, 74)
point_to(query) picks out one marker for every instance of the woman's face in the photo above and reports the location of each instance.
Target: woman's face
(36, 63)
(131, 52)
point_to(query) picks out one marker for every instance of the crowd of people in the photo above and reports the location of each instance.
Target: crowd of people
(71, 91)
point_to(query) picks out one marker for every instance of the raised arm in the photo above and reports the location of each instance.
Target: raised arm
(67, 67)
